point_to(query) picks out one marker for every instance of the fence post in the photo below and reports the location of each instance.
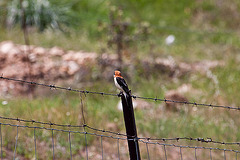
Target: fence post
(131, 129)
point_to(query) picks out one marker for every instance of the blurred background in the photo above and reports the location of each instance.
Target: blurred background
(186, 50)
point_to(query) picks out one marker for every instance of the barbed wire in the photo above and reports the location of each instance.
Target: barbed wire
(207, 140)
(116, 138)
(62, 130)
(62, 125)
(85, 92)
(194, 147)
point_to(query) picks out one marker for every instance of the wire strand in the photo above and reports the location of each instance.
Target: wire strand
(117, 95)
(35, 144)
(15, 150)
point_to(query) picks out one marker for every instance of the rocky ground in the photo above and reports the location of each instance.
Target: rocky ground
(50, 65)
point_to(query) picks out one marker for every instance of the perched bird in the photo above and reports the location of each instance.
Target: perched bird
(121, 84)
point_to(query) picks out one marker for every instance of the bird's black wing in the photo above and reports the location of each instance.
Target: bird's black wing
(123, 84)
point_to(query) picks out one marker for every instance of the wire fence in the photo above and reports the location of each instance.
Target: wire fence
(115, 138)
(149, 146)
(207, 140)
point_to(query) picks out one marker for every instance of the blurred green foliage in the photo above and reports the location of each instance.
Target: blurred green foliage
(40, 14)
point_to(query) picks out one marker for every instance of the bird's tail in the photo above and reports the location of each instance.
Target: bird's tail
(127, 95)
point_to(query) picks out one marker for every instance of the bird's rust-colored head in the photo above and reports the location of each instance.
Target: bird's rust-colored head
(117, 74)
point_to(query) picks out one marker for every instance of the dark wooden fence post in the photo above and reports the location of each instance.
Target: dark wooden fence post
(131, 129)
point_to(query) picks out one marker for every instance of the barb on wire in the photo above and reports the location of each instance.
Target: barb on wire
(117, 95)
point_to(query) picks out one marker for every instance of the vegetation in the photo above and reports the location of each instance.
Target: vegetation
(202, 30)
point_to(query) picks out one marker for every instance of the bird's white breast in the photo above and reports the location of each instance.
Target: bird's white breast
(117, 85)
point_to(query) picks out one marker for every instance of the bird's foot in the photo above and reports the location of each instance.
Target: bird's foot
(120, 94)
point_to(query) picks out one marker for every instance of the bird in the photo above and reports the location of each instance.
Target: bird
(121, 84)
